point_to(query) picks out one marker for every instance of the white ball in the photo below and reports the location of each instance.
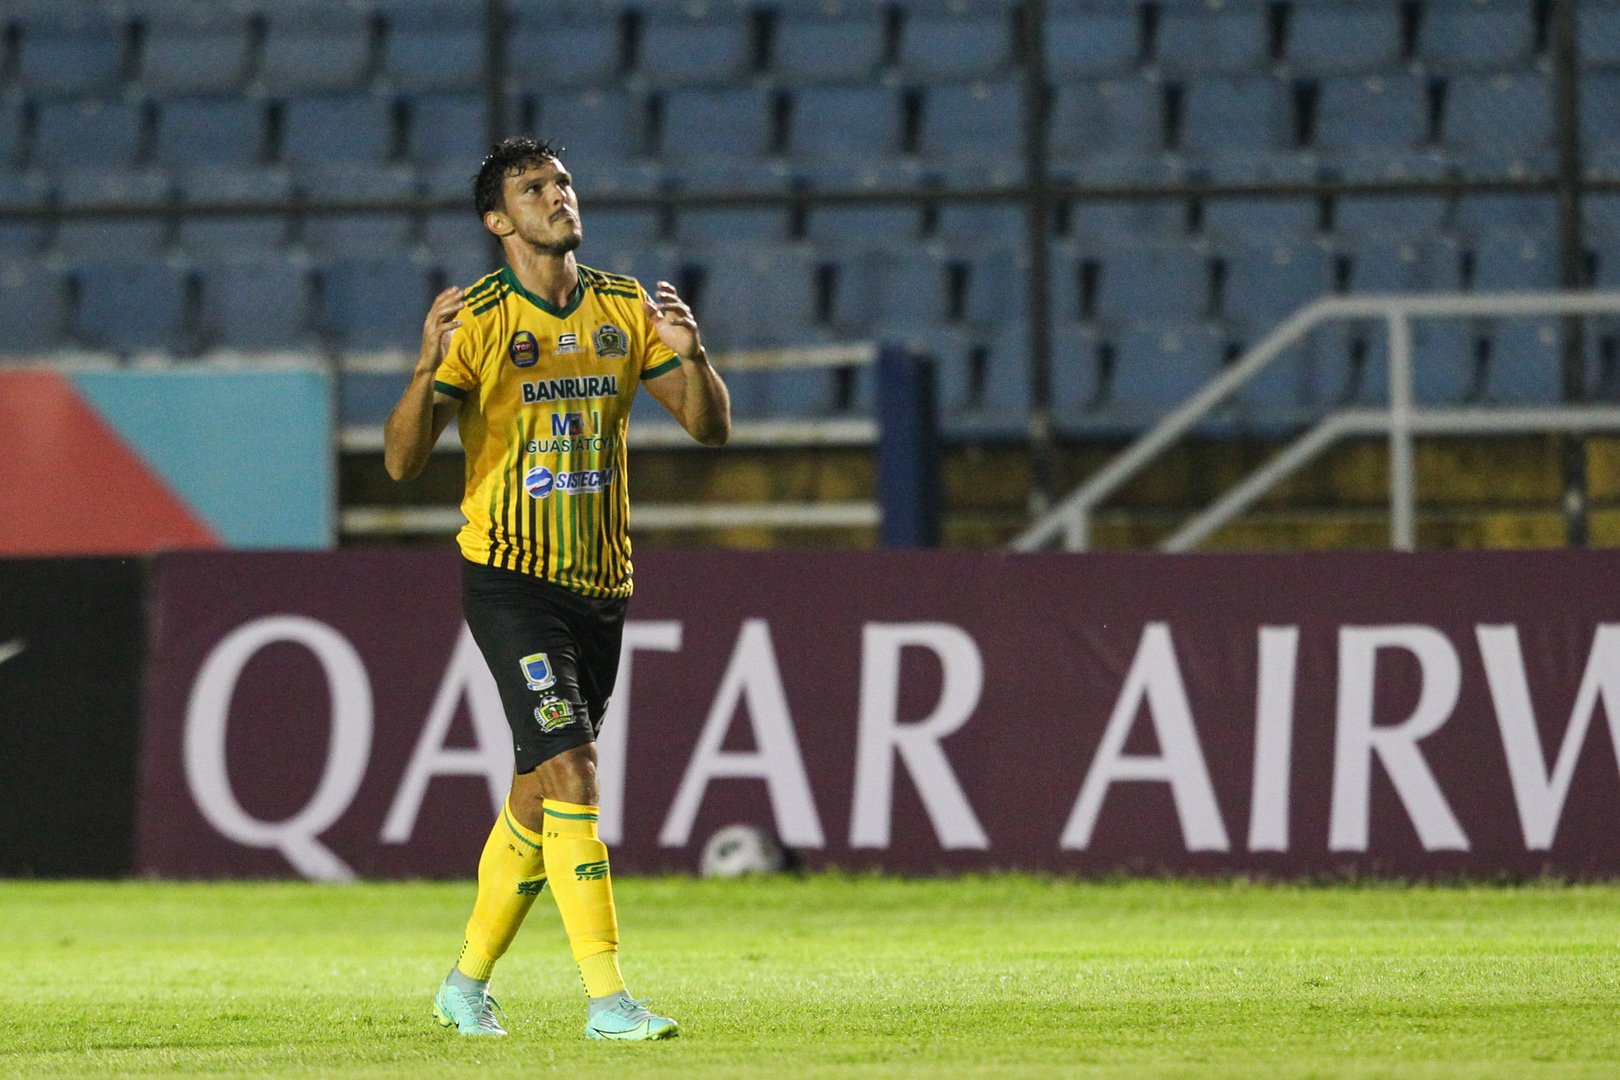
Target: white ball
(742, 849)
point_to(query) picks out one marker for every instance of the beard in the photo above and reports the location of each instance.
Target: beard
(561, 246)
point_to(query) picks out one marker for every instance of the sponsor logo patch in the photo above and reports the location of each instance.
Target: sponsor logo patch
(567, 343)
(537, 671)
(553, 713)
(611, 342)
(525, 350)
(538, 482)
(592, 871)
(531, 887)
(570, 389)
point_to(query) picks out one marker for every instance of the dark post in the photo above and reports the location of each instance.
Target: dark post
(908, 458)
(1038, 216)
(495, 34)
(1571, 256)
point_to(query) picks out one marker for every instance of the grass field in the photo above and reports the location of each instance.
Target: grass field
(827, 976)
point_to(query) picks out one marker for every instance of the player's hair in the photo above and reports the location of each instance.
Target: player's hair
(505, 159)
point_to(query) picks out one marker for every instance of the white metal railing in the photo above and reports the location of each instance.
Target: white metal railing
(1070, 520)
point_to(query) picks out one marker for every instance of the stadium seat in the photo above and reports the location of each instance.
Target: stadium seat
(448, 130)
(1084, 43)
(71, 134)
(337, 128)
(845, 123)
(12, 146)
(973, 124)
(1499, 123)
(1159, 366)
(241, 235)
(1265, 283)
(1110, 116)
(72, 49)
(940, 44)
(1525, 364)
(594, 125)
(1401, 216)
(1082, 375)
(549, 51)
(1600, 35)
(194, 50)
(128, 307)
(1346, 38)
(1532, 215)
(1600, 116)
(1123, 223)
(1236, 119)
(975, 225)
(433, 45)
(1515, 263)
(1254, 219)
(1362, 113)
(1476, 34)
(313, 47)
(369, 303)
(829, 46)
(258, 304)
(1159, 282)
(30, 305)
(1200, 39)
(207, 132)
(681, 49)
(758, 295)
(909, 281)
(373, 235)
(710, 124)
(864, 226)
(714, 227)
(1417, 264)
(113, 239)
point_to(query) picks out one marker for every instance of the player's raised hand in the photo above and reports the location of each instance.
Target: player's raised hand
(673, 320)
(439, 327)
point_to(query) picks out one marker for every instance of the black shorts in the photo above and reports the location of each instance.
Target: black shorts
(554, 654)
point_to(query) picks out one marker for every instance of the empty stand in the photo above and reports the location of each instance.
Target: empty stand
(194, 49)
(829, 44)
(433, 45)
(1200, 39)
(313, 47)
(956, 41)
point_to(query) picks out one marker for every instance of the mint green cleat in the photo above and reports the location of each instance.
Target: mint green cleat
(470, 1013)
(628, 1018)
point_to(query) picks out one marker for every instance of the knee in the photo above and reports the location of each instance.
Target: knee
(571, 776)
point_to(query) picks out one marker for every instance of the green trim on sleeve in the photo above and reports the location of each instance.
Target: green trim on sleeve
(662, 369)
(452, 390)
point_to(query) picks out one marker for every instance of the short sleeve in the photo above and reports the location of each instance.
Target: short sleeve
(458, 375)
(656, 357)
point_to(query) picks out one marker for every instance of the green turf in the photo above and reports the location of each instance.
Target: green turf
(827, 976)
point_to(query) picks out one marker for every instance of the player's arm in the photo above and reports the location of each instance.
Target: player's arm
(693, 393)
(422, 413)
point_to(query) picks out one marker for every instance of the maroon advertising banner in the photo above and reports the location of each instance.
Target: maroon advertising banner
(1427, 715)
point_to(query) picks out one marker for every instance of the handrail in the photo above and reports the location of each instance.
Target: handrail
(1070, 519)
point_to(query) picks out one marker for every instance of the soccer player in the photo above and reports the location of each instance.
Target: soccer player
(539, 362)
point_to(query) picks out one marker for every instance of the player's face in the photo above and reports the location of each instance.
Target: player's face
(543, 208)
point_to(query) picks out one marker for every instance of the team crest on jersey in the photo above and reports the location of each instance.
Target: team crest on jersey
(525, 350)
(567, 343)
(537, 671)
(610, 342)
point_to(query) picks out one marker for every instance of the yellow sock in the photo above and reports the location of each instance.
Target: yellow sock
(511, 873)
(577, 866)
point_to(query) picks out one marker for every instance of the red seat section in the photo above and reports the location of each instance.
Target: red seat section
(70, 485)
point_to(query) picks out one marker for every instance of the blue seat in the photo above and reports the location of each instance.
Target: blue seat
(598, 125)
(1404, 216)
(1125, 223)
(120, 241)
(1236, 115)
(706, 125)
(1534, 215)
(715, 227)
(855, 300)
(71, 133)
(1417, 264)
(1344, 38)
(616, 233)
(258, 304)
(313, 47)
(910, 286)
(30, 305)
(1500, 122)
(433, 45)
(374, 303)
(128, 308)
(236, 234)
(818, 46)
(1600, 112)
(973, 122)
(1158, 366)
(864, 226)
(1361, 113)
(1515, 263)
(448, 129)
(194, 50)
(205, 132)
(1088, 42)
(11, 130)
(981, 224)
(1254, 219)
(383, 234)
(547, 49)
(679, 49)
(1450, 363)
(1525, 363)
(758, 295)
(336, 128)
(845, 123)
(1476, 34)
(984, 383)
(1109, 116)
(1082, 374)
(1600, 35)
(941, 45)
(1158, 282)
(1265, 283)
(1198, 39)
(71, 49)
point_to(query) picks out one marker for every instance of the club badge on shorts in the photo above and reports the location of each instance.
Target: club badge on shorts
(553, 713)
(537, 671)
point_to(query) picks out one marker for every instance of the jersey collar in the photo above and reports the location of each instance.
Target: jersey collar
(572, 306)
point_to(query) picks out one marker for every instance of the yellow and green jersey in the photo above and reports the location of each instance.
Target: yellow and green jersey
(545, 396)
